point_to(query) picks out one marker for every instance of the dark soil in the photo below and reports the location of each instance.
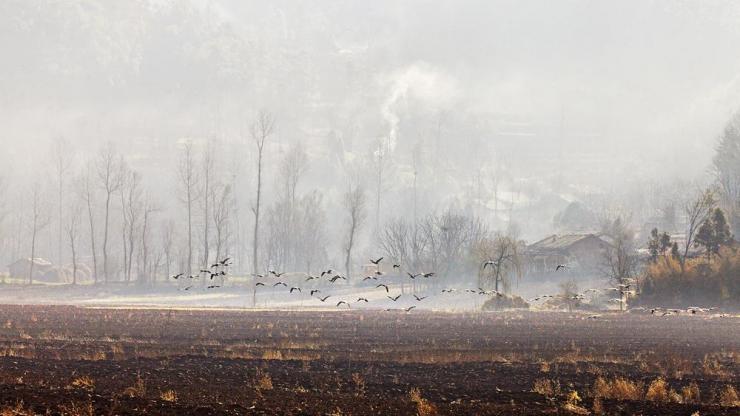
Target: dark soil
(364, 362)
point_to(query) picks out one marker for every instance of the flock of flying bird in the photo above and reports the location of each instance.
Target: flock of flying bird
(332, 276)
(219, 269)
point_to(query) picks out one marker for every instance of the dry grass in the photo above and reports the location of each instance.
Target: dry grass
(77, 409)
(18, 410)
(137, 390)
(264, 381)
(83, 382)
(359, 383)
(657, 391)
(423, 407)
(168, 396)
(598, 407)
(618, 389)
(691, 394)
(728, 397)
(572, 404)
(546, 387)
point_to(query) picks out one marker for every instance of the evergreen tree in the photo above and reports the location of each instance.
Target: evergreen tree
(674, 251)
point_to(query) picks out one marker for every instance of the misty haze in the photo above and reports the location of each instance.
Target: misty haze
(383, 207)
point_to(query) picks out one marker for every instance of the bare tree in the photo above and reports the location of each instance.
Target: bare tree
(222, 202)
(189, 182)
(132, 211)
(620, 260)
(380, 156)
(354, 204)
(726, 168)
(72, 232)
(39, 220)
(697, 211)
(261, 129)
(207, 167)
(110, 174)
(87, 193)
(167, 240)
(499, 257)
(62, 161)
(292, 168)
(146, 269)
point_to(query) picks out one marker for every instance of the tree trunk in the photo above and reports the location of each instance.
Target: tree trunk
(105, 238)
(255, 241)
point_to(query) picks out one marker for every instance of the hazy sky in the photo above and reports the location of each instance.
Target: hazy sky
(631, 82)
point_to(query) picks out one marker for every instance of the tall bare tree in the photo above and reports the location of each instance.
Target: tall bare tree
(86, 190)
(39, 220)
(620, 260)
(72, 233)
(109, 170)
(62, 161)
(499, 258)
(189, 183)
(146, 270)
(167, 241)
(697, 211)
(354, 204)
(261, 129)
(726, 168)
(207, 172)
(222, 207)
(132, 211)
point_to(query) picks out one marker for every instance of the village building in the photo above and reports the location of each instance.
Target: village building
(582, 254)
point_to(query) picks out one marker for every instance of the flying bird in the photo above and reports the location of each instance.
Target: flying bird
(276, 274)
(280, 283)
(491, 263)
(448, 290)
(560, 266)
(419, 299)
(430, 274)
(382, 285)
(187, 288)
(413, 276)
(212, 287)
(330, 271)
(342, 302)
(409, 308)
(177, 276)
(324, 298)
(337, 277)
(376, 262)
(362, 300)
(224, 261)
(314, 291)
(369, 277)
(396, 266)
(295, 288)
(392, 298)
(259, 284)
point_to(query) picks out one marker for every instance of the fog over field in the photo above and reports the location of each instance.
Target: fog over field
(500, 113)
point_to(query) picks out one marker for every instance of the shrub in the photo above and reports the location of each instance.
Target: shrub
(168, 396)
(423, 407)
(618, 389)
(658, 391)
(546, 387)
(698, 281)
(728, 397)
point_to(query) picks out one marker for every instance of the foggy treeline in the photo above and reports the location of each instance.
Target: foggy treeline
(147, 138)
